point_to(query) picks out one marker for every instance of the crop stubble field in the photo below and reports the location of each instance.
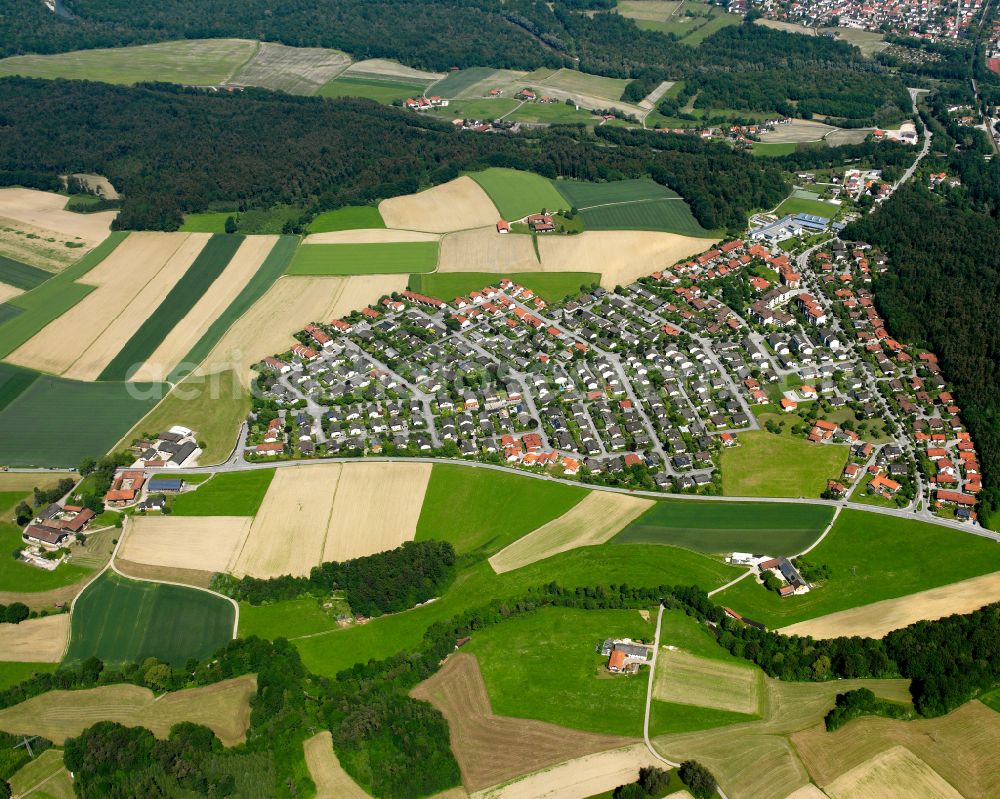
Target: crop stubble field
(485, 250)
(691, 680)
(205, 543)
(41, 640)
(456, 205)
(332, 782)
(296, 70)
(894, 774)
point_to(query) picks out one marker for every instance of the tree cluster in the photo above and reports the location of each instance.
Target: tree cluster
(861, 702)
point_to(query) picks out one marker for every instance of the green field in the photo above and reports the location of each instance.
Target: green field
(21, 276)
(480, 108)
(56, 422)
(797, 205)
(124, 621)
(204, 270)
(585, 194)
(457, 82)
(365, 259)
(552, 114)
(382, 91)
(14, 673)
(288, 619)
(574, 81)
(471, 508)
(721, 527)
(517, 194)
(8, 312)
(693, 30)
(226, 494)
(14, 381)
(207, 222)
(872, 557)
(200, 62)
(270, 270)
(773, 148)
(53, 298)
(550, 286)
(767, 465)
(353, 217)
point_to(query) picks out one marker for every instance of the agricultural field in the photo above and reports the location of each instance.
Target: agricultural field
(796, 131)
(767, 465)
(595, 520)
(862, 551)
(491, 749)
(669, 215)
(691, 680)
(226, 494)
(21, 276)
(124, 621)
(721, 527)
(332, 782)
(378, 89)
(772, 148)
(550, 286)
(484, 495)
(377, 235)
(291, 618)
(223, 707)
(56, 422)
(485, 250)
(199, 543)
(551, 114)
(896, 772)
(351, 217)
(14, 381)
(199, 62)
(581, 83)
(45, 777)
(13, 673)
(479, 108)
(879, 618)
(296, 70)
(457, 205)
(692, 22)
(206, 222)
(41, 640)
(517, 194)
(798, 205)
(381, 68)
(461, 81)
(365, 259)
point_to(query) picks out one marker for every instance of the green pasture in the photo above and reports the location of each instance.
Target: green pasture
(576, 82)
(720, 527)
(204, 270)
(57, 422)
(671, 216)
(797, 205)
(21, 276)
(52, 298)
(382, 91)
(352, 217)
(550, 286)
(14, 381)
(390, 258)
(207, 222)
(768, 465)
(871, 557)
(772, 148)
(552, 114)
(14, 673)
(583, 194)
(287, 619)
(457, 82)
(226, 494)
(8, 312)
(488, 108)
(471, 508)
(517, 194)
(125, 621)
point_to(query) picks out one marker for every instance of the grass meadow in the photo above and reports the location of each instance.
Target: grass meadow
(21, 276)
(871, 557)
(206, 222)
(772, 148)
(720, 527)
(352, 217)
(391, 258)
(124, 621)
(768, 465)
(550, 286)
(14, 673)
(552, 114)
(517, 194)
(226, 494)
(455, 83)
(382, 91)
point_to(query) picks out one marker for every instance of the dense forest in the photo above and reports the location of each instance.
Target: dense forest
(171, 150)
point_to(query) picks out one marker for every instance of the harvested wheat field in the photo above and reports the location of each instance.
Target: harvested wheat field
(25, 481)
(288, 533)
(224, 707)
(621, 256)
(583, 776)
(894, 774)
(493, 749)
(594, 520)
(332, 782)
(8, 292)
(390, 69)
(370, 236)
(376, 508)
(286, 307)
(195, 578)
(220, 294)
(35, 640)
(205, 543)
(39, 247)
(691, 680)
(44, 209)
(879, 618)
(130, 282)
(485, 250)
(798, 130)
(809, 791)
(296, 70)
(456, 205)
(960, 747)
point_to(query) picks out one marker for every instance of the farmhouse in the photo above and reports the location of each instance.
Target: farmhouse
(51, 529)
(786, 571)
(172, 448)
(125, 488)
(625, 655)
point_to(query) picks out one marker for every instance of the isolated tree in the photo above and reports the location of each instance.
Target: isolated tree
(230, 224)
(23, 513)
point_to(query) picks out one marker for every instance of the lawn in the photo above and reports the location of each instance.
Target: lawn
(52, 298)
(57, 422)
(382, 91)
(768, 465)
(203, 272)
(720, 527)
(270, 270)
(226, 494)
(352, 217)
(457, 82)
(21, 276)
(471, 508)
(123, 621)
(797, 205)
(477, 584)
(207, 222)
(517, 194)
(200, 62)
(872, 557)
(213, 406)
(550, 286)
(14, 381)
(773, 148)
(14, 673)
(365, 259)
